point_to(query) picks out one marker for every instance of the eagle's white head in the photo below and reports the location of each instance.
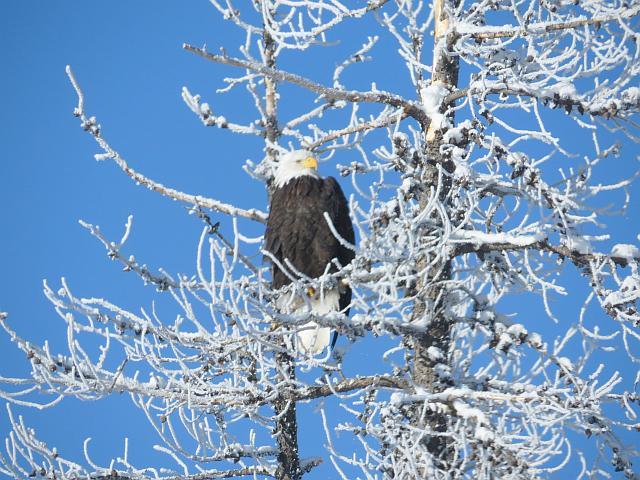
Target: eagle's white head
(295, 164)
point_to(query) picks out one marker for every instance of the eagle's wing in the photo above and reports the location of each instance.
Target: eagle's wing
(278, 223)
(339, 213)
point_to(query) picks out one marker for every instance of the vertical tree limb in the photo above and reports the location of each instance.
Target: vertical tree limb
(431, 295)
(286, 428)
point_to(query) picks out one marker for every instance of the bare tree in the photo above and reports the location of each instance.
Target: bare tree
(482, 182)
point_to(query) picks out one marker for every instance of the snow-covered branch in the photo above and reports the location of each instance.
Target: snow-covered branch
(541, 28)
(479, 242)
(90, 125)
(410, 108)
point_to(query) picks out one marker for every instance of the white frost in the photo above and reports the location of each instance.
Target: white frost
(625, 250)
(480, 238)
(484, 434)
(465, 411)
(535, 340)
(434, 353)
(565, 90)
(432, 97)
(577, 244)
(565, 363)
(455, 135)
(631, 96)
(629, 292)
(517, 330)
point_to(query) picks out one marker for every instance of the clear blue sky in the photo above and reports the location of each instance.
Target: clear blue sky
(128, 58)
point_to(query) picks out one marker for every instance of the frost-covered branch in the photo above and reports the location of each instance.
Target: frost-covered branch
(410, 108)
(205, 113)
(90, 124)
(387, 120)
(479, 242)
(558, 96)
(541, 28)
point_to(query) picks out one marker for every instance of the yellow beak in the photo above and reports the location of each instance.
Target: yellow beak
(310, 162)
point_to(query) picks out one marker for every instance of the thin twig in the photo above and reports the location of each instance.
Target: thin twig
(374, 124)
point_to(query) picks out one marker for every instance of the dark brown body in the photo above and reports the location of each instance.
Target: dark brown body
(298, 231)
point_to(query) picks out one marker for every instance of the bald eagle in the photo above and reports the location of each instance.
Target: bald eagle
(299, 237)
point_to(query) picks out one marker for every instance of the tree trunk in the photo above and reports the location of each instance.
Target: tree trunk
(437, 333)
(286, 431)
(286, 428)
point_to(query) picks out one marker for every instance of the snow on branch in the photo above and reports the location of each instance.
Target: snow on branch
(479, 242)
